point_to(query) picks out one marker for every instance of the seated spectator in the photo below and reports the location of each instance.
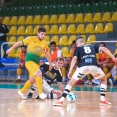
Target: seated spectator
(67, 62)
(21, 63)
(55, 52)
(105, 62)
(113, 79)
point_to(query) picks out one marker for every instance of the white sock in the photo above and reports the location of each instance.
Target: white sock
(18, 78)
(103, 88)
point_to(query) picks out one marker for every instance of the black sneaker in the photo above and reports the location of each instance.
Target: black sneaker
(30, 95)
(17, 80)
(37, 97)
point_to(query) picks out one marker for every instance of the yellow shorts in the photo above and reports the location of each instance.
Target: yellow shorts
(32, 68)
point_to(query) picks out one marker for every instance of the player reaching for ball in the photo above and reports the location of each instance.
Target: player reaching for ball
(87, 63)
(48, 78)
(36, 45)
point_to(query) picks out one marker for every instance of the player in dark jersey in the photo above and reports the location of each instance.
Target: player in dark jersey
(48, 78)
(87, 63)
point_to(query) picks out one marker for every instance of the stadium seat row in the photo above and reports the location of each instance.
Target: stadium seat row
(60, 41)
(65, 51)
(58, 9)
(54, 19)
(90, 28)
(40, 2)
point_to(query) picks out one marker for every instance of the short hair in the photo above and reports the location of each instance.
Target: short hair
(79, 37)
(60, 59)
(53, 43)
(74, 42)
(41, 29)
(24, 46)
(102, 43)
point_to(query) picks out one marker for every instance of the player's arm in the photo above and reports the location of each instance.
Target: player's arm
(17, 44)
(108, 52)
(73, 62)
(60, 85)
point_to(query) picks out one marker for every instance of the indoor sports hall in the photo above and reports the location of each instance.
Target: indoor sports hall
(64, 21)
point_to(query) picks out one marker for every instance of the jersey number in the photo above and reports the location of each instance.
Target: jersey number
(87, 49)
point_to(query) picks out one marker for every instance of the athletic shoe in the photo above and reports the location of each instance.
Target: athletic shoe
(58, 104)
(37, 97)
(90, 83)
(30, 95)
(42, 96)
(96, 81)
(17, 80)
(22, 95)
(102, 103)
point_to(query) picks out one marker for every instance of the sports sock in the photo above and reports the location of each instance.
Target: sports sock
(108, 75)
(103, 89)
(52, 96)
(39, 84)
(66, 91)
(26, 86)
(89, 76)
(105, 70)
(19, 71)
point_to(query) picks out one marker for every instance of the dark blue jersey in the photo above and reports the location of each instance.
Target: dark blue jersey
(49, 76)
(86, 55)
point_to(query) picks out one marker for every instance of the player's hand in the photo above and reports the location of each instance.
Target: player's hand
(9, 51)
(69, 75)
(50, 67)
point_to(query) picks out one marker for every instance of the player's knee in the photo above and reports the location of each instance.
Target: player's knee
(32, 81)
(39, 73)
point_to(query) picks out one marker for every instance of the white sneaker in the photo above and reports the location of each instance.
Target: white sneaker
(42, 96)
(22, 95)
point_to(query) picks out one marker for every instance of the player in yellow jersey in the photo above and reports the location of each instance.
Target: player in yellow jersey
(36, 45)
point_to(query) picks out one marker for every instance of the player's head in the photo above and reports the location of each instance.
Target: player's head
(0, 20)
(53, 45)
(59, 63)
(80, 41)
(102, 44)
(73, 45)
(24, 49)
(41, 33)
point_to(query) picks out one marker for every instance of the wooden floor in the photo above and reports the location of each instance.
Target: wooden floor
(86, 105)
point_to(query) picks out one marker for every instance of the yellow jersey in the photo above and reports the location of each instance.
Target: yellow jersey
(35, 48)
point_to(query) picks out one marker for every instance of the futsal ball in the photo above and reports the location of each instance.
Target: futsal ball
(71, 97)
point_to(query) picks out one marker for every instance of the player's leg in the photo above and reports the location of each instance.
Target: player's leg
(79, 73)
(35, 76)
(99, 74)
(19, 71)
(32, 90)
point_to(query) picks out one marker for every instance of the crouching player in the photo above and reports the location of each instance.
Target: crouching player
(48, 78)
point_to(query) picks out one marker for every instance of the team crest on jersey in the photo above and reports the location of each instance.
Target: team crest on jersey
(38, 48)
